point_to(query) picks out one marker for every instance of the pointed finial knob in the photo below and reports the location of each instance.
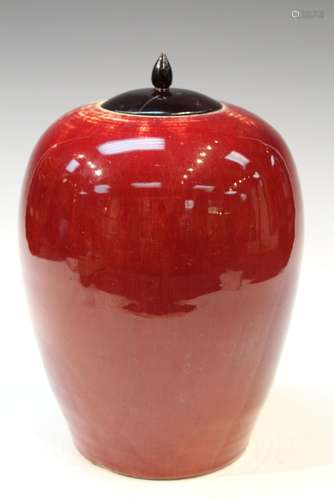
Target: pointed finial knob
(162, 74)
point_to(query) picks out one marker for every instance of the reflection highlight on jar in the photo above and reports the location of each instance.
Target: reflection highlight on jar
(115, 147)
(238, 158)
(101, 188)
(146, 185)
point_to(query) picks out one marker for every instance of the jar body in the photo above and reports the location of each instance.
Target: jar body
(160, 257)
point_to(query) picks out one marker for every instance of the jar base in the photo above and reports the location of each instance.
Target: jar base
(168, 477)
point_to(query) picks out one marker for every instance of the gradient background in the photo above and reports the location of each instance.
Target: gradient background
(58, 55)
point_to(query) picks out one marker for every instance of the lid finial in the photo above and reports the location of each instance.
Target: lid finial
(162, 74)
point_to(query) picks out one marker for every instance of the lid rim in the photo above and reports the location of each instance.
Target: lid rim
(171, 102)
(124, 114)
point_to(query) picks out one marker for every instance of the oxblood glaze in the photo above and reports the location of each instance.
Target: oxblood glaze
(161, 257)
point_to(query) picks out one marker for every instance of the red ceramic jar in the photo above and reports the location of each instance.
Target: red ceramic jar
(161, 254)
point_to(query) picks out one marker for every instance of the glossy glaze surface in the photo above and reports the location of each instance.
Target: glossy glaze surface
(161, 256)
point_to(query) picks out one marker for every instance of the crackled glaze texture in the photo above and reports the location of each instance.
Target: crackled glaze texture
(161, 256)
